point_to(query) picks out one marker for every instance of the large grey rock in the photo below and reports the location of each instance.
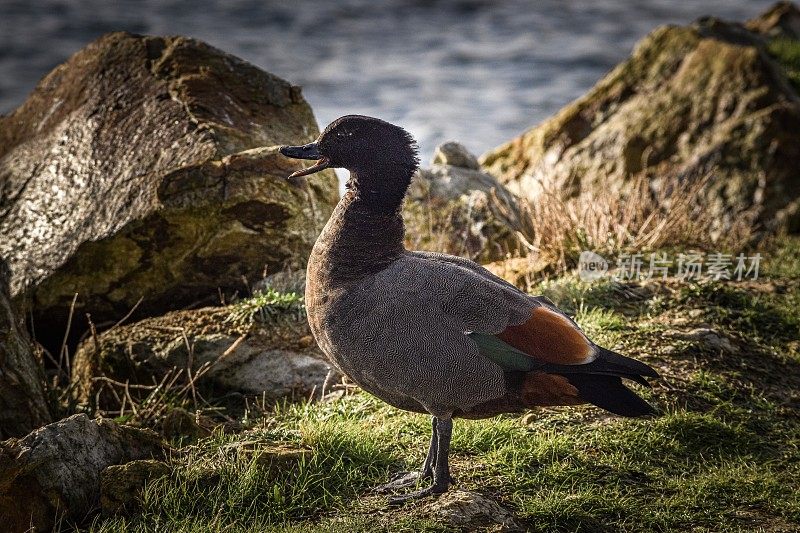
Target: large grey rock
(23, 402)
(142, 168)
(56, 470)
(704, 99)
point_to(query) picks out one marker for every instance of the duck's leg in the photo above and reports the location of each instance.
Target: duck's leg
(433, 449)
(405, 480)
(441, 470)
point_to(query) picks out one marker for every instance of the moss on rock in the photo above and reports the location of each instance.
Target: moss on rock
(702, 100)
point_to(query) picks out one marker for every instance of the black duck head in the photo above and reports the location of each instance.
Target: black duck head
(365, 146)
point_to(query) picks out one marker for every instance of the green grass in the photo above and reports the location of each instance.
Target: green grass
(724, 455)
(782, 259)
(787, 53)
(684, 470)
(267, 306)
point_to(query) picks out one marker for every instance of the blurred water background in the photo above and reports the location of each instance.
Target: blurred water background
(477, 71)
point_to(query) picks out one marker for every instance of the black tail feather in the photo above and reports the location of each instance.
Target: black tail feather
(607, 363)
(620, 363)
(609, 393)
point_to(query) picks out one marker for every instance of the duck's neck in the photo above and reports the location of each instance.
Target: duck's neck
(365, 232)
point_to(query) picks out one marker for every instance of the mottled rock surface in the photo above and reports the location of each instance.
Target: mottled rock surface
(122, 485)
(454, 154)
(781, 20)
(470, 511)
(23, 403)
(56, 469)
(705, 99)
(452, 207)
(142, 168)
(276, 359)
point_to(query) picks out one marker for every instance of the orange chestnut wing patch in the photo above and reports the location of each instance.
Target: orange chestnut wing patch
(550, 337)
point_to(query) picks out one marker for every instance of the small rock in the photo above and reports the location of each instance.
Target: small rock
(274, 457)
(334, 395)
(454, 154)
(708, 339)
(55, 470)
(121, 485)
(282, 458)
(469, 510)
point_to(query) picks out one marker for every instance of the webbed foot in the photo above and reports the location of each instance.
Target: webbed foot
(402, 499)
(402, 481)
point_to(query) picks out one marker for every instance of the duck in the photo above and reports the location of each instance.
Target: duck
(433, 333)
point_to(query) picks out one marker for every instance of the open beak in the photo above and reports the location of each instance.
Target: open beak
(307, 151)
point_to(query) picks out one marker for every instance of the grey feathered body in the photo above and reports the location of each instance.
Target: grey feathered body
(399, 329)
(430, 332)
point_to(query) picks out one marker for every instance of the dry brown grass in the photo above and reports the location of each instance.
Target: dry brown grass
(642, 220)
(552, 230)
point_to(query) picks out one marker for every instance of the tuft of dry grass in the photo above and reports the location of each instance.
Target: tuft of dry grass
(643, 220)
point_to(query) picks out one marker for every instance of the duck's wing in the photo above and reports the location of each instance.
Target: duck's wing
(480, 271)
(530, 335)
(468, 294)
(480, 303)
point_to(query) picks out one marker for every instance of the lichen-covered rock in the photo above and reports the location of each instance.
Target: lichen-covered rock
(452, 207)
(706, 99)
(56, 469)
(274, 359)
(470, 511)
(23, 403)
(121, 485)
(274, 457)
(267, 459)
(145, 167)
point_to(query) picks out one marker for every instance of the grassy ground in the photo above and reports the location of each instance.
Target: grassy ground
(724, 455)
